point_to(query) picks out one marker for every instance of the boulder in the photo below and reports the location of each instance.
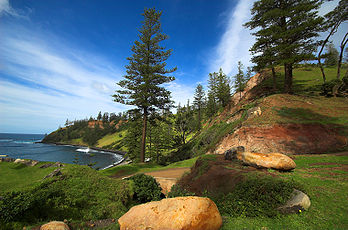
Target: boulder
(298, 201)
(55, 225)
(276, 161)
(232, 153)
(21, 161)
(174, 213)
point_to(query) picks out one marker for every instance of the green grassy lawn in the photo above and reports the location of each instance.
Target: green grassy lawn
(307, 79)
(19, 176)
(325, 180)
(125, 170)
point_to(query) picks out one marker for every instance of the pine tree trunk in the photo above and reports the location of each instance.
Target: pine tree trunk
(343, 44)
(288, 78)
(143, 140)
(274, 79)
(199, 118)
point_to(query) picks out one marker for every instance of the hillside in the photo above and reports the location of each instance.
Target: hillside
(263, 120)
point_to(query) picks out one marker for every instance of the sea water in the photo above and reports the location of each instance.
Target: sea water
(25, 146)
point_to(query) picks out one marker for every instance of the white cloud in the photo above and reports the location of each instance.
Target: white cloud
(180, 92)
(6, 9)
(236, 41)
(45, 83)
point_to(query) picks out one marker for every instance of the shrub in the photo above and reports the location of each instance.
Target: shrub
(146, 188)
(177, 190)
(80, 194)
(327, 87)
(255, 197)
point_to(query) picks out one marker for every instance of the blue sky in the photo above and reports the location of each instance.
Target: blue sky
(62, 59)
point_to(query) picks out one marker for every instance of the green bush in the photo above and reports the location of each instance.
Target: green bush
(80, 194)
(327, 87)
(255, 197)
(146, 188)
(177, 190)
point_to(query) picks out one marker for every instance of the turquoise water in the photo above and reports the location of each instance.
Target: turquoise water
(23, 146)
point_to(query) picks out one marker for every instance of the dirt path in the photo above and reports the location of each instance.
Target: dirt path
(169, 173)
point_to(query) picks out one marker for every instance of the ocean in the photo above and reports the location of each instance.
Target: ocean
(24, 146)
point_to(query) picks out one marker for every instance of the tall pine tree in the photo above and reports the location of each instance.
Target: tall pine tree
(286, 30)
(199, 103)
(146, 72)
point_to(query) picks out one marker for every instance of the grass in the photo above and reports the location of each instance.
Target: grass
(307, 80)
(80, 195)
(20, 176)
(125, 170)
(327, 189)
(111, 138)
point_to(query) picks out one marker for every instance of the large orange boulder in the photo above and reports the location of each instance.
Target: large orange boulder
(187, 213)
(55, 225)
(276, 161)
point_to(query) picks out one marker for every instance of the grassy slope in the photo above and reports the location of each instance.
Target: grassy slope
(111, 139)
(327, 187)
(125, 170)
(19, 176)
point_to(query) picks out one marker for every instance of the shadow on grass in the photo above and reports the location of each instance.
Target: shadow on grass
(307, 116)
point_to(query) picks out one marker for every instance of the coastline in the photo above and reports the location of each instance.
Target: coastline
(120, 162)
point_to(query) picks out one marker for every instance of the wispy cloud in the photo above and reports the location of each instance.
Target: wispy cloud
(52, 78)
(236, 41)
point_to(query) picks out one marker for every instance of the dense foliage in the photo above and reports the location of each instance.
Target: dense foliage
(146, 188)
(80, 194)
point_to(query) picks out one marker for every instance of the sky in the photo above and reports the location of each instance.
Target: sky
(61, 59)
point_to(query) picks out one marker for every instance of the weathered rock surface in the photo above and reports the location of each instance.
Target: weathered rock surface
(298, 201)
(232, 152)
(26, 162)
(285, 138)
(56, 172)
(46, 165)
(276, 161)
(6, 159)
(174, 213)
(55, 225)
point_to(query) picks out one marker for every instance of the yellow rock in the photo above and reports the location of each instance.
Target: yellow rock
(276, 161)
(189, 213)
(55, 225)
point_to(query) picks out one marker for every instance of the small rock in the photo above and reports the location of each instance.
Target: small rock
(174, 213)
(33, 163)
(45, 165)
(256, 111)
(56, 172)
(232, 153)
(55, 225)
(65, 221)
(276, 161)
(20, 161)
(58, 164)
(298, 201)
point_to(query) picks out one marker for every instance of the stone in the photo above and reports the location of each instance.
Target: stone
(256, 111)
(232, 152)
(58, 164)
(56, 172)
(45, 165)
(298, 201)
(187, 213)
(32, 163)
(55, 225)
(20, 161)
(276, 161)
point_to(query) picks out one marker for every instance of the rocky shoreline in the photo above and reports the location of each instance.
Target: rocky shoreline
(94, 148)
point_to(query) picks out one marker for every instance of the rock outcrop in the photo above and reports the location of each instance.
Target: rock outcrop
(174, 213)
(276, 161)
(298, 201)
(26, 162)
(285, 138)
(55, 225)
(56, 172)
(232, 153)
